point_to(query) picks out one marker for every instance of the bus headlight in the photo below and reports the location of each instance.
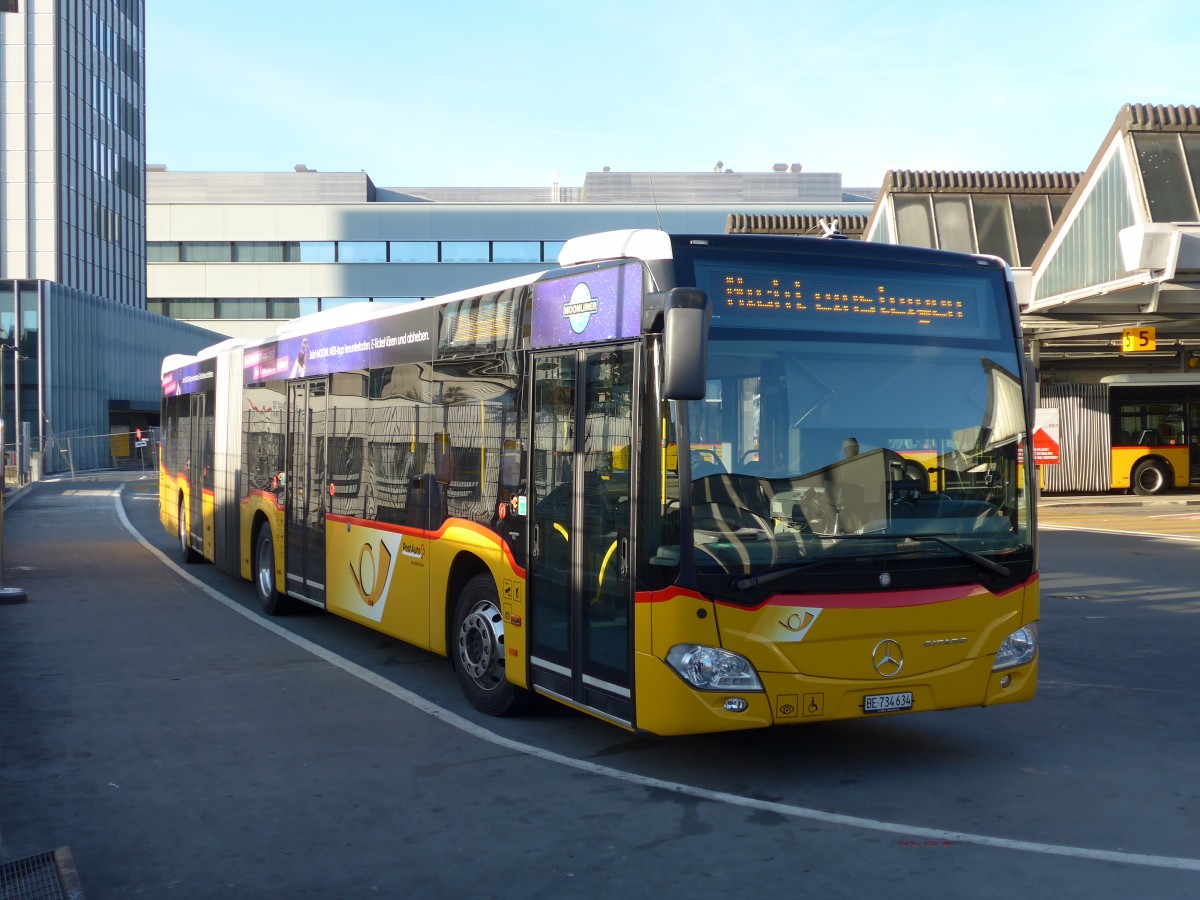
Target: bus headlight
(713, 669)
(1017, 649)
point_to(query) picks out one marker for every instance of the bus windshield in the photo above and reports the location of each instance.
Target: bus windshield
(885, 443)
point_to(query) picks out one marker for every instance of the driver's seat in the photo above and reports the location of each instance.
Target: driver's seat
(742, 491)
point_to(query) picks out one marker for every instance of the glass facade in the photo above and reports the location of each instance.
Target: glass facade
(362, 251)
(329, 252)
(465, 252)
(1011, 226)
(413, 251)
(354, 251)
(73, 144)
(101, 148)
(1170, 170)
(257, 307)
(1090, 252)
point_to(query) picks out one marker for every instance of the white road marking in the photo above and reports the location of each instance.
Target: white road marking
(1148, 534)
(783, 809)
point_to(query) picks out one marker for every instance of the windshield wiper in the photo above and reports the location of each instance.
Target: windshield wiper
(982, 561)
(749, 581)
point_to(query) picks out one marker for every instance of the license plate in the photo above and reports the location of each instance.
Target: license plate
(876, 703)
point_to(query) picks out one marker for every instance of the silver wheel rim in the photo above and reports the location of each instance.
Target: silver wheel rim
(266, 569)
(183, 537)
(1151, 479)
(481, 645)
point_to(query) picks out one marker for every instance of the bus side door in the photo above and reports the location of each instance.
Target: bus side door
(199, 463)
(580, 586)
(308, 493)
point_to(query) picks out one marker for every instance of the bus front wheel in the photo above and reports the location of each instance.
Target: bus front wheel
(477, 649)
(1150, 477)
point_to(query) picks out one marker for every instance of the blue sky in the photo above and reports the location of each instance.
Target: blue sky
(460, 92)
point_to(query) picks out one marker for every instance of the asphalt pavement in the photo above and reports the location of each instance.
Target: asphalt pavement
(177, 752)
(177, 749)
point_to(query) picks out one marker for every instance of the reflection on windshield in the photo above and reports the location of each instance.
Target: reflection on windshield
(795, 450)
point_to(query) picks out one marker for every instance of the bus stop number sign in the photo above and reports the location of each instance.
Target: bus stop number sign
(1138, 340)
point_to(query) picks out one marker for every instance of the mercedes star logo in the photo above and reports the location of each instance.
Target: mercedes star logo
(888, 658)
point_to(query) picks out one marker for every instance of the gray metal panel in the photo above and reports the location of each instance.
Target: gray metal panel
(544, 194)
(258, 187)
(712, 187)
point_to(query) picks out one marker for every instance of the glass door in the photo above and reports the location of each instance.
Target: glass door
(199, 469)
(308, 491)
(1193, 441)
(580, 585)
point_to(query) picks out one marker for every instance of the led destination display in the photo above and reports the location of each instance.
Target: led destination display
(824, 299)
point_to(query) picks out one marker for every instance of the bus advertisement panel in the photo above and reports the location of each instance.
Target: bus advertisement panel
(359, 345)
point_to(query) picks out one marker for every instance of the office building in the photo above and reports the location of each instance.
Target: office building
(80, 351)
(242, 252)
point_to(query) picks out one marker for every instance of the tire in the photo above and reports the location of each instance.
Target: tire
(273, 603)
(477, 649)
(1150, 477)
(186, 554)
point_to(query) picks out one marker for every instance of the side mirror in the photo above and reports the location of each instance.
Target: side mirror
(685, 344)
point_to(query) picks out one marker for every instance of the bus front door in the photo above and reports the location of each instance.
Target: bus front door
(580, 584)
(307, 491)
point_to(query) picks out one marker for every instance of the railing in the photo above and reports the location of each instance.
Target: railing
(86, 451)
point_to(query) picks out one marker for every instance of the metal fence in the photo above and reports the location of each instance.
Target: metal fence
(85, 451)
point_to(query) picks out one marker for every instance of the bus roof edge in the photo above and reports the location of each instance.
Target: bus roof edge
(629, 243)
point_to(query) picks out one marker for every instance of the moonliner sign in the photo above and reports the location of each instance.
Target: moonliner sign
(599, 305)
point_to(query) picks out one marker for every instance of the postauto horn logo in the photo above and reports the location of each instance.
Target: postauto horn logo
(579, 309)
(373, 572)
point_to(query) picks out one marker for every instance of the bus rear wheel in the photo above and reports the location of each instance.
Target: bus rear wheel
(1150, 477)
(273, 603)
(186, 553)
(477, 649)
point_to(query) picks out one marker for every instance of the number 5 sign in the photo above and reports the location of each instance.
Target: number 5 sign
(1136, 340)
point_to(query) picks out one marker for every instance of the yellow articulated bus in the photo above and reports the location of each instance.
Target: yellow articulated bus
(1155, 431)
(682, 483)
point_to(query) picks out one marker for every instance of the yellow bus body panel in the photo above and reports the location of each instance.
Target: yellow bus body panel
(817, 664)
(253, 506)
(397, 581)
(170, 490)
(1125, 458)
